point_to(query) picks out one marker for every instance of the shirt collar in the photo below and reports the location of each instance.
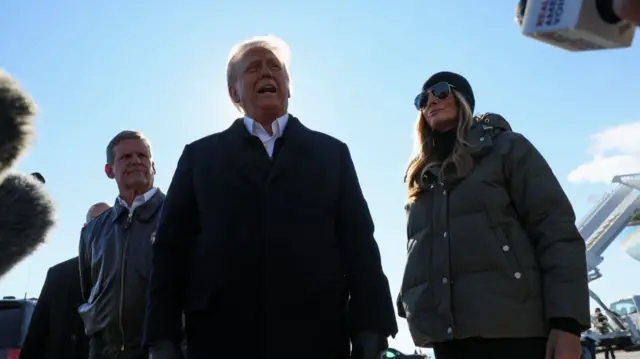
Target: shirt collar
(277, 126)
(140, 200)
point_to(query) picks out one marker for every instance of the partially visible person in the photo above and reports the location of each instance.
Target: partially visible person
(56, 330)
(266, 241)
(115, 252)
(496, 267)
(96, 210)
(601, 323)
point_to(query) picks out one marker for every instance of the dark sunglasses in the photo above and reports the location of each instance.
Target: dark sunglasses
(441, 91)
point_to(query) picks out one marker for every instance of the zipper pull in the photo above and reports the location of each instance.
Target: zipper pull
(122, 348)
(129, 220)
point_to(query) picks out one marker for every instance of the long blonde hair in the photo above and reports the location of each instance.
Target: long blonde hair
(421, 159)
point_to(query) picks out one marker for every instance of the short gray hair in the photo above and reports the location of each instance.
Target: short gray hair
(270, 42)
(124, 135)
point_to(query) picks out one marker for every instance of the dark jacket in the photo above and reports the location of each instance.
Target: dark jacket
(115, 265)
(497, 253)
(56, 330)
(267, 250)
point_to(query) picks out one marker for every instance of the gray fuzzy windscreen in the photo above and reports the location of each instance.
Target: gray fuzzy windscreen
(26, 217)
(17, 112)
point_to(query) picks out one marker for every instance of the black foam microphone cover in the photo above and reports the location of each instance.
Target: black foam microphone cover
(26, 217)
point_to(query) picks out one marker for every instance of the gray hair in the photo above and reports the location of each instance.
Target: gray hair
(270, 42)
(124, 135)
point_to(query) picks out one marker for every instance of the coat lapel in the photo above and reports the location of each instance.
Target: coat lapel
(292, 148)
(254, 165)
(245, 156)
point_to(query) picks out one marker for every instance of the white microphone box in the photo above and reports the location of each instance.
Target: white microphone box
(574, 25)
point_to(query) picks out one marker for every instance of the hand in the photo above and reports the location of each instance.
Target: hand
(563, 345)
(367, 345)
(628, 10)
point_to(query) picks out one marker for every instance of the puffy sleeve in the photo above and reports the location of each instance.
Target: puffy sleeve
(548, 217)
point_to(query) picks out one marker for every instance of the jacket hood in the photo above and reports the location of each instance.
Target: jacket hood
(481, 135)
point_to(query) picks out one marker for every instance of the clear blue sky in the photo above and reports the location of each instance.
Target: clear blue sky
(96, 68)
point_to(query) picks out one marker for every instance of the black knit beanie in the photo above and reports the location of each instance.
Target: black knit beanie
(460, 83)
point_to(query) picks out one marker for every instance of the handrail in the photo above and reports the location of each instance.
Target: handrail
(602, 229)
(620, 209)
(594, 209)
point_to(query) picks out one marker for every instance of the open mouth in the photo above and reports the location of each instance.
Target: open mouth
(266, 89)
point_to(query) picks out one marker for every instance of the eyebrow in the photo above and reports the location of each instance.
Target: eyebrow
(252, 60)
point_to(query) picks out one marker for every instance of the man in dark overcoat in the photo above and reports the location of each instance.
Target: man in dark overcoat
(56, 330)
(265, 240)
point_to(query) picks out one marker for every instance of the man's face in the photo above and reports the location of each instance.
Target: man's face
(132, 167)
(262, 84)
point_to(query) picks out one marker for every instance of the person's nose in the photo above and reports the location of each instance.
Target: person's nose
(135, 159)
(265, 71)
(432, 100)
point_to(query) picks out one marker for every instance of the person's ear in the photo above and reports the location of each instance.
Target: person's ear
(153, 168)
(108, 170)
(234, 94)
(288, 81)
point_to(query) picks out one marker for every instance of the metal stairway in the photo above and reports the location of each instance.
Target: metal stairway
(612, 214)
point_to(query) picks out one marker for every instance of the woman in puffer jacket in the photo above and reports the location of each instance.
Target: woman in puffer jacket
(496, 267)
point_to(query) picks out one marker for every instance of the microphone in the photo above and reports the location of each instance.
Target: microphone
(26, 216)
(17, 111)
(574, 25)
(26, 210)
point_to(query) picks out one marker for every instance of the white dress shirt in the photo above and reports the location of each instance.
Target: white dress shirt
(138, 201)
(269, 141)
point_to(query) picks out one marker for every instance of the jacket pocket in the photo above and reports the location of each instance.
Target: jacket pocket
(139, 253)
(420, 308)
(415, 288)
(514, 268)
(418, 302)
